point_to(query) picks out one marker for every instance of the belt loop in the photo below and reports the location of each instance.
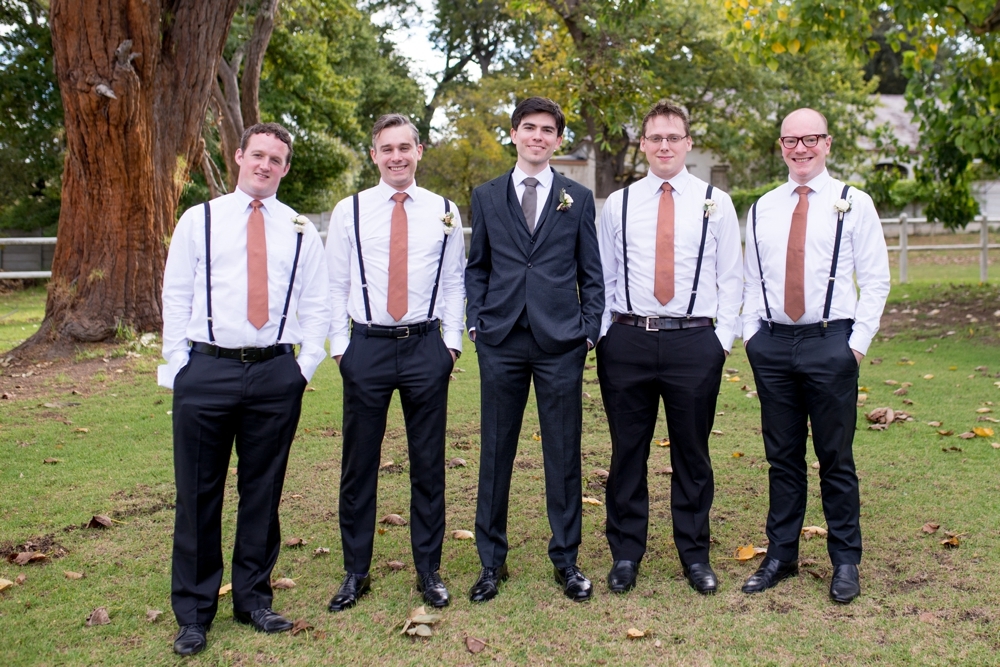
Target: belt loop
(218, 352)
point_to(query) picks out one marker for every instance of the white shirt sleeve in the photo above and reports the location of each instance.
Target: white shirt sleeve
(871, 270)
(729, 274)
(178, 295)
(751, 282)
(451, 290)
(313, 303)
(339, 262)
(607, 241)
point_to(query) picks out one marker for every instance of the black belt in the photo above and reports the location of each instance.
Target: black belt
(402, 331)
(661, 323)
(245, 354)
(812, 329)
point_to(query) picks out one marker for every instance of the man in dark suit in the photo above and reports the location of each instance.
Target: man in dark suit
(535, 298)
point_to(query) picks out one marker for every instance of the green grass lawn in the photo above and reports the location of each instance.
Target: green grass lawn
(921, 603)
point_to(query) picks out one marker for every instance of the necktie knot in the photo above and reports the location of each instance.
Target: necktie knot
(256, 204)
(803, 190)
(666, 187)
(400, 197)
(530, 182)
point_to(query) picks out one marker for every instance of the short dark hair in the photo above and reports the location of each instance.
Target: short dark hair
(538, 105)
(274, 129)
(394, 120)
(667, 108)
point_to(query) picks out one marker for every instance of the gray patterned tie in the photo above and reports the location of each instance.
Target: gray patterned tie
(529, 202)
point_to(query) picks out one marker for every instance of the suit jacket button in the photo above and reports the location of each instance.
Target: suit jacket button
(529, 266)
(532, 241)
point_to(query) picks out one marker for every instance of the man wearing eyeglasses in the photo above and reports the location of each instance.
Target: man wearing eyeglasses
(673, 275)
(805, 333)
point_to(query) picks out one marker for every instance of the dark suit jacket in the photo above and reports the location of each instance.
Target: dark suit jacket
(556, 273)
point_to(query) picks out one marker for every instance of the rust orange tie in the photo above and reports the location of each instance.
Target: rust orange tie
(257, 311)
(398, 289)
(663, 281)
(795, 258)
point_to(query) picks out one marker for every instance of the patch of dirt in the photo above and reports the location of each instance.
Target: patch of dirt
(46, 544)
(24, 379)
(954, 312)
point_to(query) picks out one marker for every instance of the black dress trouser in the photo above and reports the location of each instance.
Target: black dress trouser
(217, 401)
(636, 369)
(806, 374)
(419, 366)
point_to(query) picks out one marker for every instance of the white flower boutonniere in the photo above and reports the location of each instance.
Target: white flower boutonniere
(710, 206)
(300, 221)
(842, 205)
(449, 222)
(565, 201)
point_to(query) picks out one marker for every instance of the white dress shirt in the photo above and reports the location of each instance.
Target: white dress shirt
(720, 287)
(425, 234)
(863, 256)
(544, 187)
(185, 314)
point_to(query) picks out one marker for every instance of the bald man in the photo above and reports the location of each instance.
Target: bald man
(805, 333)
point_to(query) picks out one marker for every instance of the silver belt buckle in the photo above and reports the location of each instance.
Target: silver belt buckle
(649, 327)
(405, 329)
(243, 355)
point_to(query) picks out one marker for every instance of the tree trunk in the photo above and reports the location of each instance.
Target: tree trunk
(135, 77)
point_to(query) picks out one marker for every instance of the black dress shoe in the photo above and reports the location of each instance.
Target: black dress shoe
(435, 594)
(845, 585)
(702, 578)
(190, 639)
(576, 586)
(263, 620)
(352, 588)
(488, 583)
(769, 573)
(621, 578)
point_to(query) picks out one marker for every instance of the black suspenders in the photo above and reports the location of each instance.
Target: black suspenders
(701, 253)
(361, 261)
(833, 264)
(208, 276)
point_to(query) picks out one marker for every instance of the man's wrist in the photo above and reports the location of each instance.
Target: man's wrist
(457, 353)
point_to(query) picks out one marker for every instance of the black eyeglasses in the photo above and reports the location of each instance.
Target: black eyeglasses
(809, 141)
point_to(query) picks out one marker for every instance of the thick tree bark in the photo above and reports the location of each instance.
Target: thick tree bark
(135, 77)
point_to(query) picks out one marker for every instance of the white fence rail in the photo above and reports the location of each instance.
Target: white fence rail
(903, 247)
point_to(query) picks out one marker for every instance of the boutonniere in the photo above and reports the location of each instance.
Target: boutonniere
(710, 206)
(300, 221)
(842, 205)
(449, 222)
(565, 201)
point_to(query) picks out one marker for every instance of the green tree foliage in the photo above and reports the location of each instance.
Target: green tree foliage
(956, 99)
(31, 135)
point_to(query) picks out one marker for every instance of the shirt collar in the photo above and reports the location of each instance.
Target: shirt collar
(678, 182)
(386, 191)
(817, 184)
(544, 177)
(243, 199)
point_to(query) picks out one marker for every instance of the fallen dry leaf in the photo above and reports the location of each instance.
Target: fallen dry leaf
(877, 427)
(396, 565)
(456, 463)
(663, 442)
(225, 589)
(891, 383)
(393, 520)
(283, 584)
(815, 465)
(635, 633)
(968, 435)
(73, 575)
(983, 431)
(98, 617)
(474, 645)
(907, 401)
(995, 445)
(301, 625)
(665, 471)
(52, 461)
(737, 455)
(319, 634)
(81, 430)
(930, 527)
(463, 535)
(950, 542)
(26, 557)
(153, 615)
(387, 464)
(601, 474)
(935, 423)
(536, 437)
(321, 551)
(716, 431)
(902, 391)
(587, 500)
(735, 378)
(946, 433)
(810, 532)
(295, 542)
(749, 551)
(5, 584)
(296, 496)
(983, 410)
(99, 521)
(20, 579)
(929, 376)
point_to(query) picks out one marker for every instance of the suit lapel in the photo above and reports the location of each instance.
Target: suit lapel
(550, 217)
(511, 216)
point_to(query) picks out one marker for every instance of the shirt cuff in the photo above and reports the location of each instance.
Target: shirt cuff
(749, 329)
(453, 340)
(338, 345)
(165, 373)
(860, 342)
(725, 337)
(309, 359)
